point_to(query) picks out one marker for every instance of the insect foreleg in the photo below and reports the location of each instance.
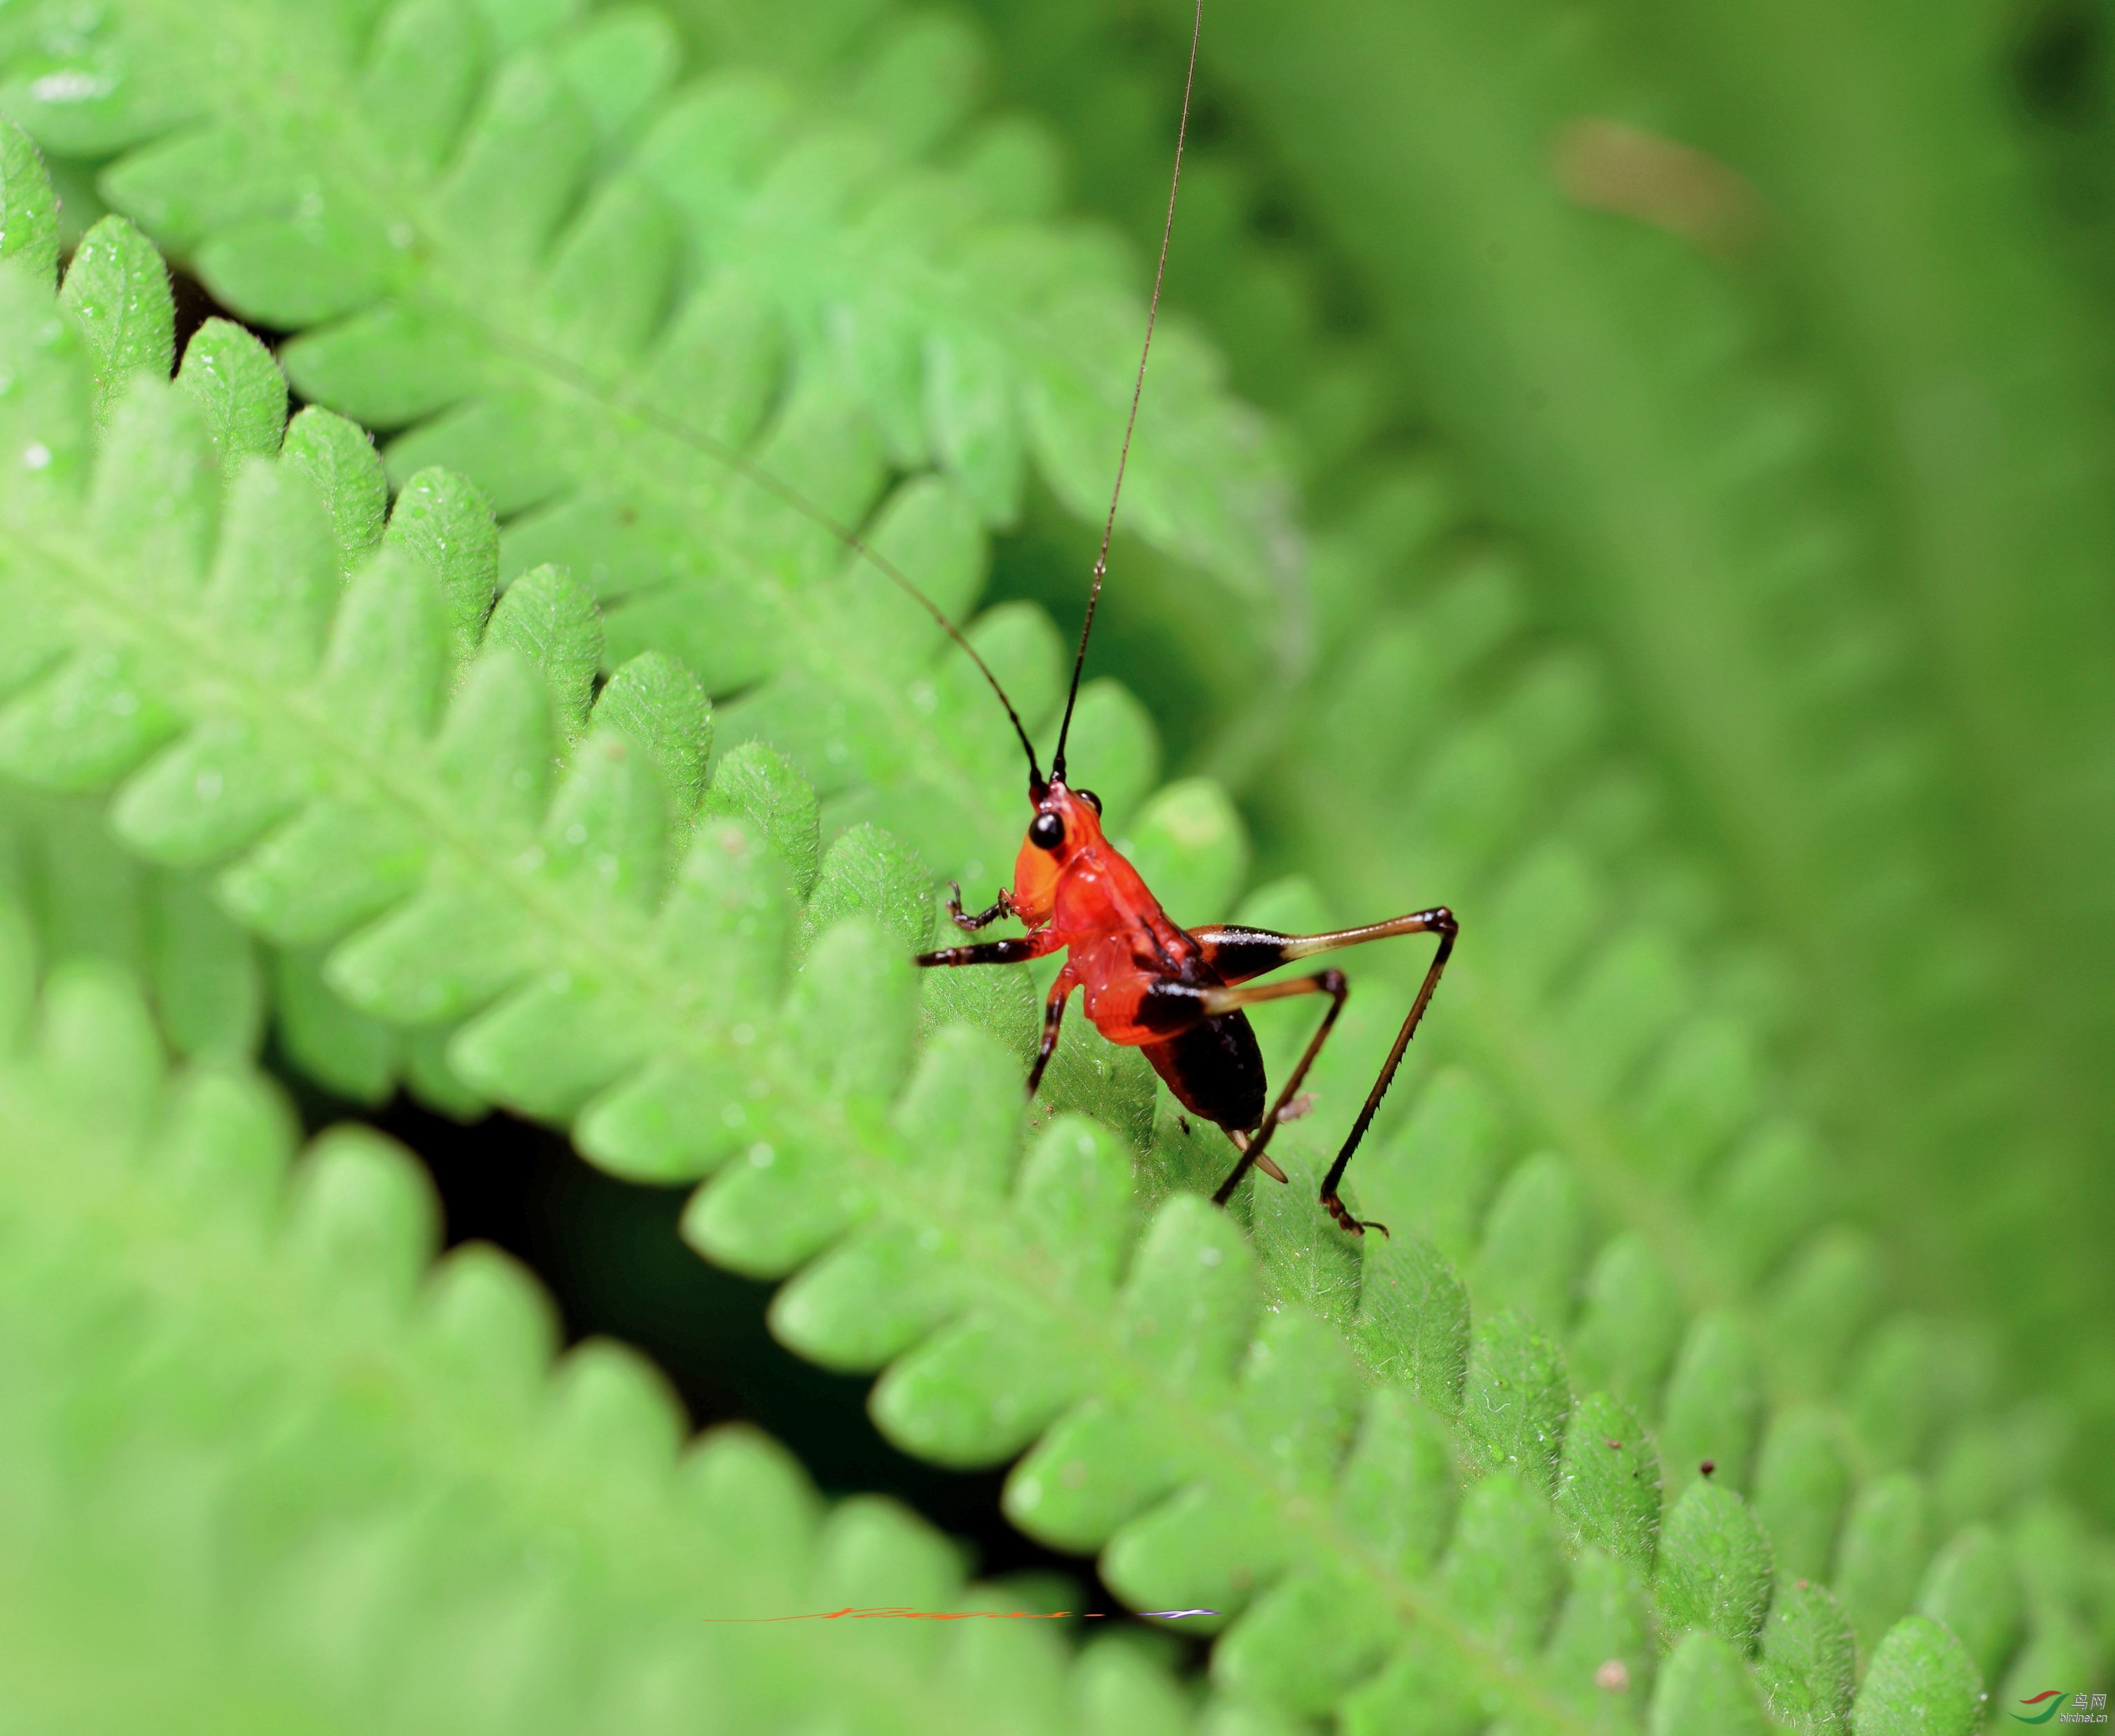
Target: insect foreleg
(1017, 951)
(1001, 906)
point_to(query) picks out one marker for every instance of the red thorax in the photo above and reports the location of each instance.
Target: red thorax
(1080, 893)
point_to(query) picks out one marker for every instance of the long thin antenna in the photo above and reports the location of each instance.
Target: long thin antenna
(1137, 391)
(789, 495)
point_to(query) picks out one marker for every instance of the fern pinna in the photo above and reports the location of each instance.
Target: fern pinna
(1742, 583)
(244, 1412)
(596, 980)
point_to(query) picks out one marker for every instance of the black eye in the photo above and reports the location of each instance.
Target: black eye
(1046, 831)
(1090, 798)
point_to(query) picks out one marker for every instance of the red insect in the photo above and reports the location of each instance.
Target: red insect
(1145, 981)
(1176, 993)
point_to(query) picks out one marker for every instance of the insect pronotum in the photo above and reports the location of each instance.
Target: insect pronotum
(1144, 981)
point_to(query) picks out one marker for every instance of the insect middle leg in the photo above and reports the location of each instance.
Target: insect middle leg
(1002, 906)
(1054, 1016)
(1238, 953)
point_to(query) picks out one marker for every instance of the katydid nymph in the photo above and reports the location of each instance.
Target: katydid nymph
(1144, 981)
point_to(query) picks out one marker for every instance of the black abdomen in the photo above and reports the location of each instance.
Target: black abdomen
(1215, 1070)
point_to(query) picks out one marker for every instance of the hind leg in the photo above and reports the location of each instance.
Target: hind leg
(1239, 954)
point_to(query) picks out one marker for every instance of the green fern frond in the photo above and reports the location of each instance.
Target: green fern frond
(1703, 1316)
(87, 897)
(582, 286)
(349, 718)
(1683, 1241)
(1722, 498)
(1651, 1074)
(618, 957)
(1741, 1199)
(262, 1466)
(1836, 653)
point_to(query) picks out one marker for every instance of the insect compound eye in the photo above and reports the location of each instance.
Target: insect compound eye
(1046, 831)
(1090, 798)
